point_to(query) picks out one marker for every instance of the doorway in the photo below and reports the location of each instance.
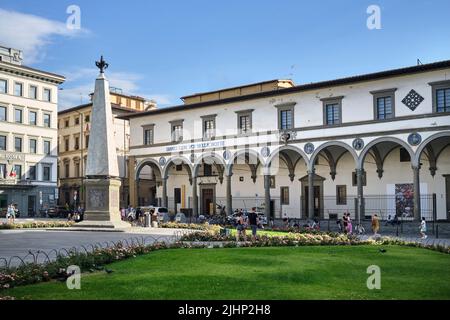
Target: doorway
(318, 196)
(31, 206)
(207, 199)
(177, 199)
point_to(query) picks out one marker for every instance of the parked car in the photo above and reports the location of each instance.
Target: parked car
(51, 212)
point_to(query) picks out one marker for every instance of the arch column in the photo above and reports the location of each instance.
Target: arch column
(416, 181)
(311, 173)
(361, 212)
(164, 200)
(194, 197)
(132, 183)
(228, 195)
(267, 195)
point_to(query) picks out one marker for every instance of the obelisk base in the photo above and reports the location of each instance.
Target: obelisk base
(102, 205)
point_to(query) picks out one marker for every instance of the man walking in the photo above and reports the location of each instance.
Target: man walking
(253, 221)
(423, 228)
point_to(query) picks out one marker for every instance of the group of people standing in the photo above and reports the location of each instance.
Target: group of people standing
(242, 222)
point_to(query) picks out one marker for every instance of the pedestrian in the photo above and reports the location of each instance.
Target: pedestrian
(375, 224)
(423, 228)
(253, 221)
(345, 222)
(349, 224)
(240, 227)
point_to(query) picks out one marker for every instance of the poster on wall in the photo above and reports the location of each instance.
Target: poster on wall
(404, 200)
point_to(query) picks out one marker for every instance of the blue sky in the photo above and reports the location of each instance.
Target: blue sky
(167, 49)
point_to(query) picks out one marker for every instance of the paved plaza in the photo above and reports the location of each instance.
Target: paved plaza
(18, 243)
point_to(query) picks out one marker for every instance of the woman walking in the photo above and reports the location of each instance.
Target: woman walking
(349, 224)
(240, 228)
(423, 228)
(375, 224)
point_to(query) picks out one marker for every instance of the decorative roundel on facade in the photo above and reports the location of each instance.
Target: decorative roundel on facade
(414, 139)
(192, 158)
(265, 152)
(358, 144)
(162, 161)
(309, 148)
(226, 154)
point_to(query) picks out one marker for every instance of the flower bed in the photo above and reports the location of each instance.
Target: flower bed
(36, 225)
(192, 226)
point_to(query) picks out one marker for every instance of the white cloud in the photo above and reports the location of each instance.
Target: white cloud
(31, 33)
(80, 83)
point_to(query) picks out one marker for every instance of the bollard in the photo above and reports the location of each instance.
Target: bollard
(437, 231)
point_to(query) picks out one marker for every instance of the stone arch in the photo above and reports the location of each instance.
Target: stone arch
(243, 152)
(288, 161)
(323, 147)
(177, 160)
(377, 141)
(218, 161)
(147, 162)
(426, 143)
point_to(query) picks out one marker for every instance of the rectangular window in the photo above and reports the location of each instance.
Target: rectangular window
(443, 100)
(333, 113)
(177, 132)
(47, 149)
(32, 118)
(148, 137)
(384, 108)
(87, 141)
(67, 170)
(77, 143)
(66, 144)
(2, 170)
(87, 118)
(32, 173)
(3, 114)
(77, 169)
(245, 125)
(404, 155)
(3, 143)
(47, 120)
(18, 170)
(32, 94)
(179, 167)
(18, 144)
(77, 121)
(284, 195)
(46, 95)
(209, 128)
(46, 173)
(286, 119)
(33, 145)
(3, 86)
(18, 89)
(18, 115)
(341, 195)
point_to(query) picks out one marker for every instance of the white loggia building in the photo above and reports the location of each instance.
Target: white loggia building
(374, 143)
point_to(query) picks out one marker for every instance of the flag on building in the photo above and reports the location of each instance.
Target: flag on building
(13, 172)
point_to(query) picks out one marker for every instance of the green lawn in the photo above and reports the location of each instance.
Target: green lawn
(315, 272)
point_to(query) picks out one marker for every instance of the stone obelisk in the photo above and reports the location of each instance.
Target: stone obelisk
(102, 171)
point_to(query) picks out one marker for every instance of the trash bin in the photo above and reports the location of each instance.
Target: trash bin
(147, 220)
